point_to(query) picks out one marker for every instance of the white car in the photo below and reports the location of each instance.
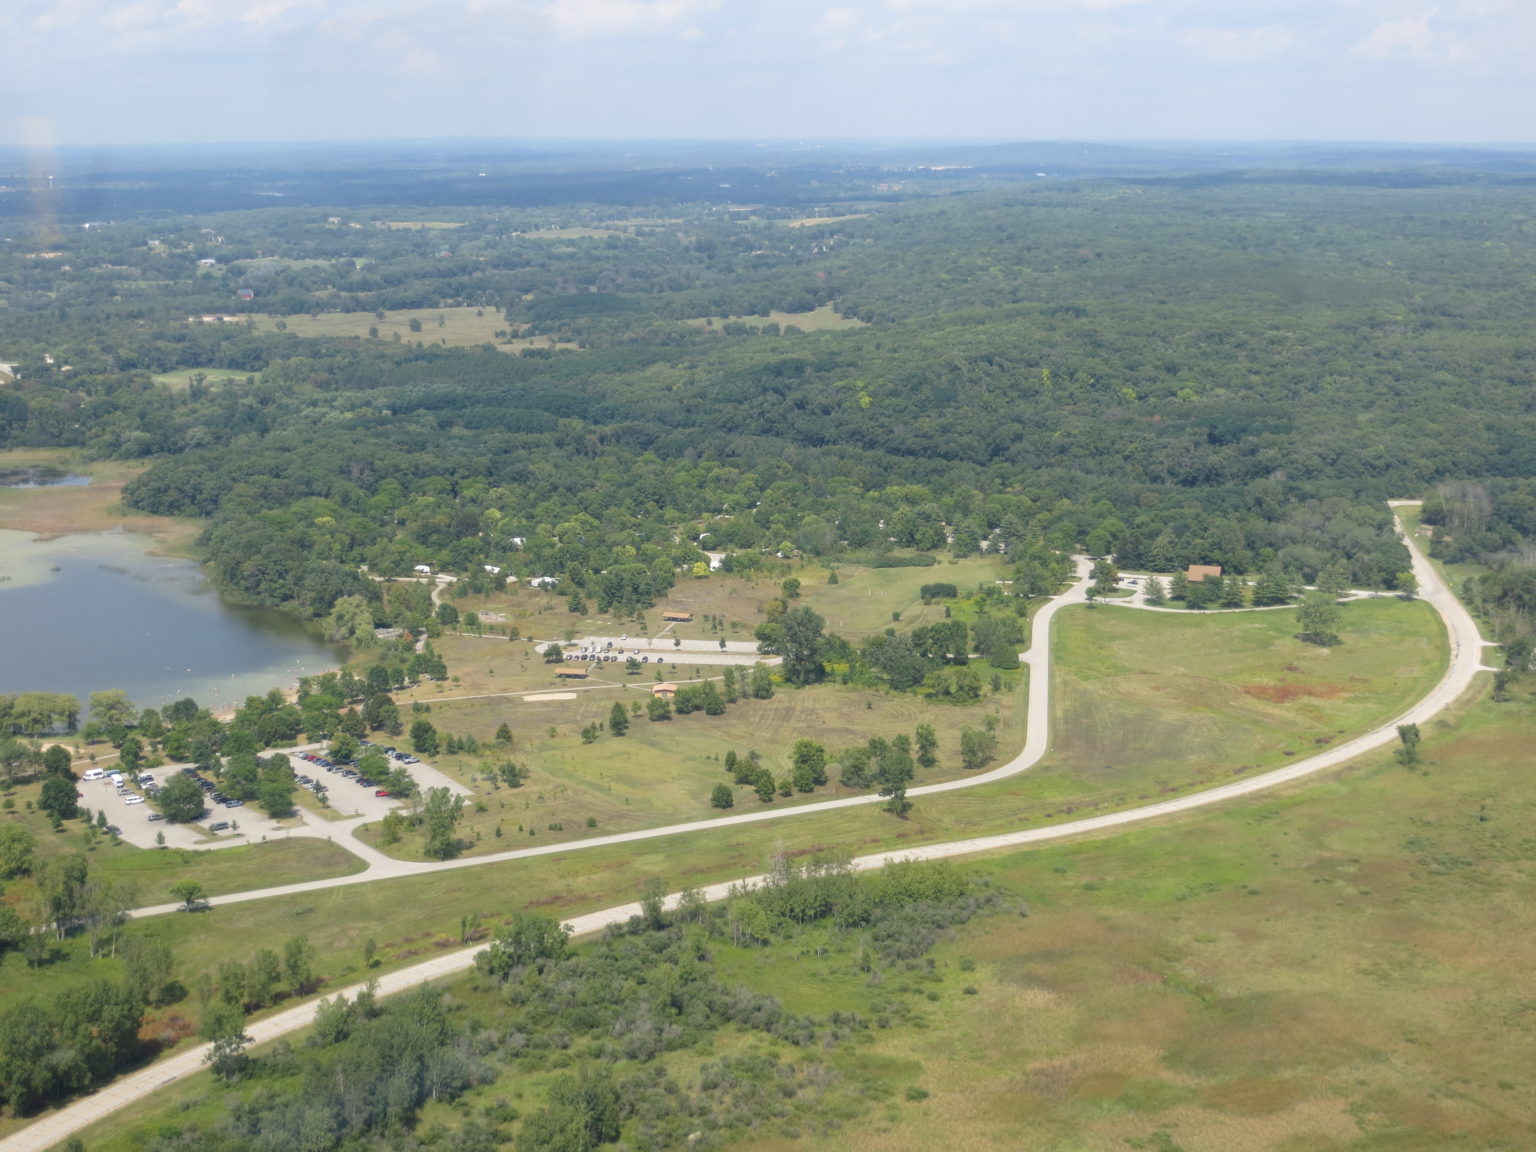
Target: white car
(133, 800)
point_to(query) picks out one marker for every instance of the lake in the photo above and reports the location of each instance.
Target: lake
(82, 613)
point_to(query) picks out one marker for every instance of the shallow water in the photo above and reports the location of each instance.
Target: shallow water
(82, 613)
(42, 478)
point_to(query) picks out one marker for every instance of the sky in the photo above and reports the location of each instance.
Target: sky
(92, 72)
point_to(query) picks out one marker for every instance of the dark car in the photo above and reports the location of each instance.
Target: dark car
(364, 782)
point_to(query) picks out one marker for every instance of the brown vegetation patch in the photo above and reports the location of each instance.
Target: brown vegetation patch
(1285, 693)
(165, 1029)
(1251, 1097)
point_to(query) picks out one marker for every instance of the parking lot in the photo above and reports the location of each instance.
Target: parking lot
(138, 823)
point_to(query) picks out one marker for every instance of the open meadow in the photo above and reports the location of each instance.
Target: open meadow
(1144, 699)
(456, 327)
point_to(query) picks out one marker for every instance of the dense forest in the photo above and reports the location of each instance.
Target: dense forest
(1176, 372)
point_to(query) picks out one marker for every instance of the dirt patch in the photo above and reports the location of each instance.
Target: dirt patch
(1285, 693)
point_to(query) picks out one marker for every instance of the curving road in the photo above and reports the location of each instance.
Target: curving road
(1466, 645)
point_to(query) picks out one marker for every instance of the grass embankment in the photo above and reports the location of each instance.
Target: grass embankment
(1338, 967)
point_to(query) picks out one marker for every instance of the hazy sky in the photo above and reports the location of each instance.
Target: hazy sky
(102, 71)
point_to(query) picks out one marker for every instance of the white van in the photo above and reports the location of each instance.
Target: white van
(116, 778)
(94, 774)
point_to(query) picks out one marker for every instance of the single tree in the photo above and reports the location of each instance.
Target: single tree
(181, 800)
(423, 738)
(618, 719)
(722, 797)
(1318, 618)
(440, 817)
(189, 892)
(762, 683)
(59, 798)
(927, 745)
(224, 1026)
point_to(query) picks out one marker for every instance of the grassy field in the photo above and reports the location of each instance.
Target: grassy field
(661, 773)
(1344, 969)
(817, 221)
(1143, 699)
(180, 379)
(96, 507)
(823, 319)
(1340, 967)
(459, 327)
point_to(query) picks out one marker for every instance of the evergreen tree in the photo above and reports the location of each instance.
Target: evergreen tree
(1272, 589)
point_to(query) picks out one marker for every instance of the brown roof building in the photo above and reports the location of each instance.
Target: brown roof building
(1199, 573)
(572, 672)
(678, 617)
(664, 691)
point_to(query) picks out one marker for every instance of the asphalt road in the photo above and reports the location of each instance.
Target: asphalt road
(1466, 645)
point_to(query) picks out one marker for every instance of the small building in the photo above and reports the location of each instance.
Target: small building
(246, 294)
(1200, 573)
(574, 672)
(543, 581)
(424, 569)
(664, 691)
(492, 569)
(678, 617)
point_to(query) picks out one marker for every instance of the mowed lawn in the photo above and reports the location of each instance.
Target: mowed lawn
(863, 600)
(1143, 697)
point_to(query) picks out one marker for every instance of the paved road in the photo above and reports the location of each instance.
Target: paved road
(1466, 661)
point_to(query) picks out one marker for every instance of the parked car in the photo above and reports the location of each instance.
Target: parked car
(382, 792)
(364, 782)
(156, 816)
(218, 826)
(234, 803)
